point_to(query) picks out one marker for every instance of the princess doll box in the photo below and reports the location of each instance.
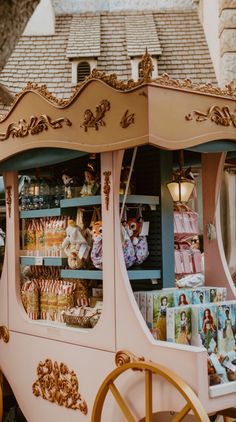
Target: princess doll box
(178, 324)
(204, 326)
(226, 322)
(157, 303)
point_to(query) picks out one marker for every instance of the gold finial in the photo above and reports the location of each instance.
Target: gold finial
(146, 67)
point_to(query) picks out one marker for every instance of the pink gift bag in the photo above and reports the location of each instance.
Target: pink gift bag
(197, 261)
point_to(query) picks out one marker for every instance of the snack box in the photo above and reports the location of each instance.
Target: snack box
(178, 325)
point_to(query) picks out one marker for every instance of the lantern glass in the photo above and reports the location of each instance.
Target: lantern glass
(180, 190)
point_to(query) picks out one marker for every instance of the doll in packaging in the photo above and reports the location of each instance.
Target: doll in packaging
(91, 185)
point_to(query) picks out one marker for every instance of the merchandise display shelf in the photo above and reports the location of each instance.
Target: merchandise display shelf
(55, 324)
(47, 212)
(86, 274)
(222, 389)
(144, 274)
(141, 199)
(42, 260)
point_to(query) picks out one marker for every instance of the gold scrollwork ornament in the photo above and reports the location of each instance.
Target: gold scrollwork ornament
(9, 199)
(96, 120)
(4, 333)
(33, 127)
(57, 384)
(127, 119)
(107, 188)
(219, 115)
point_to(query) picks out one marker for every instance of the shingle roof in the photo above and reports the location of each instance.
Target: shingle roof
(43, 59)
(140, 32)
(185, 52)
(84, 37)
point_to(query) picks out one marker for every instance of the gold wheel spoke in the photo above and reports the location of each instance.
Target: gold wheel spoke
(121, 402)
(148, 395)
(182, 413)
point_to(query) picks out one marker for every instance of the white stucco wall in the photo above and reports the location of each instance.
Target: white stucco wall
(42, 22)
(210, 21)
(73, 6)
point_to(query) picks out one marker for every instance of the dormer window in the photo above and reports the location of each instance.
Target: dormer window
(83, 70)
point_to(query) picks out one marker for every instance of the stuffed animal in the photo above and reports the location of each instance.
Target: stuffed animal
(72, 244)
(139, 242)
(96, 253)
(91, 185)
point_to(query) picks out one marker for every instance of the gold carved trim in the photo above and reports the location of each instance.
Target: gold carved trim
(124, 356)
(107, 188)
(208, 88)
(9, 199)
(57, 384)
(220, 115)
(36, 125)
(113, 81)
(91, 120)
(4, 333)
(127, 119)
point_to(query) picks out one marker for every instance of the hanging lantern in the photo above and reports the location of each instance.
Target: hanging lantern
(182, 185)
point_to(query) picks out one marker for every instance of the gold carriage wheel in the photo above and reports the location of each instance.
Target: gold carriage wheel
(150, 369)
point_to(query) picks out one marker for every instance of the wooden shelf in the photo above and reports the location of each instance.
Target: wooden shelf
(47, 212)
(141, 199)
(86, 274)
(81, 201)
(47, 261)
(144, 274)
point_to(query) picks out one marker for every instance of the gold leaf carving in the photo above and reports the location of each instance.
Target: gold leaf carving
(91, 120)
(220, 115)
(9, 199)
(57, 384)
(127, 119)
(146, 67)
(107, 188)
(4, 333)
(35, 125)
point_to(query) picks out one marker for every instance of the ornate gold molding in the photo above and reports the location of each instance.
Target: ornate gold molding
(208, 88)
(107, 188)
(146, 67)
(36, 125)
(4, 333)
(220, 115)
(57, 384)
(91, 120)
(127, 119)
(9, 199)
(124, 356)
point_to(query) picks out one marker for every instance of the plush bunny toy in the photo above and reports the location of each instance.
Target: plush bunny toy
(72, 244)
(140, 242)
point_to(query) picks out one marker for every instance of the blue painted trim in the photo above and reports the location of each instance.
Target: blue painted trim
(167, 221)
(86, 274)
(215, 146)
(144, 274)
(48, 262)
(47, 212)
(81, 201)
(141, 199)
